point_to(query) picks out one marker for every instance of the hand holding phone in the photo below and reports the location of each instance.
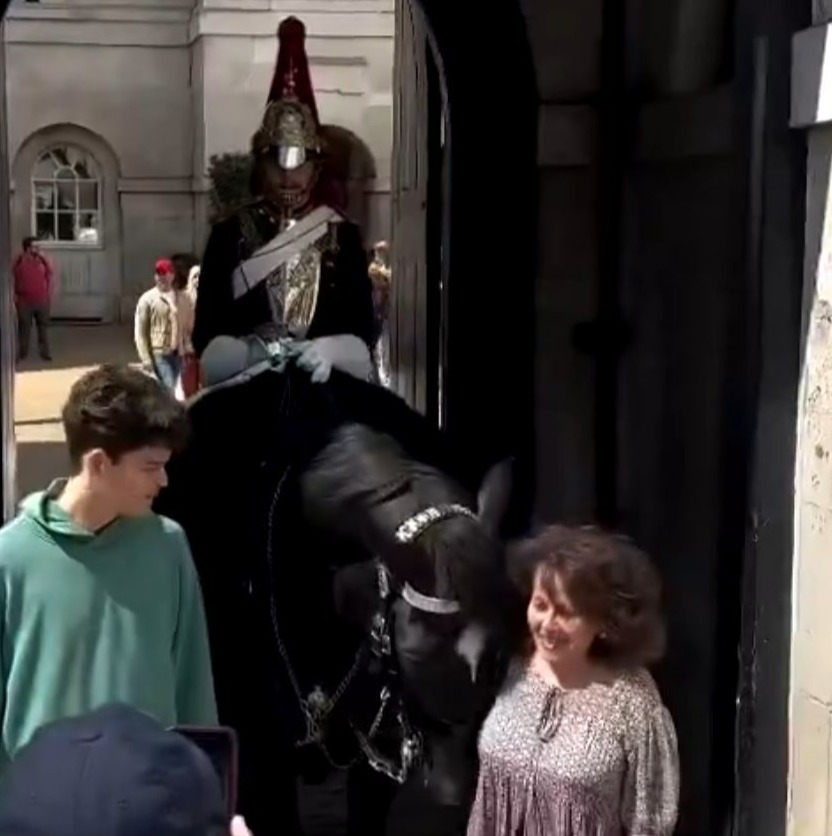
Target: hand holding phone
(239, 827)
(220, 745)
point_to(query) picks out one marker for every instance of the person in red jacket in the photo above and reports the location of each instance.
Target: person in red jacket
(32, 294)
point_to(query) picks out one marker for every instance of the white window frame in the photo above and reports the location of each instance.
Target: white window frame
(76, 212)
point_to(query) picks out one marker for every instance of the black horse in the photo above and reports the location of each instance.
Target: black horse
(353, 591)
(447, 617)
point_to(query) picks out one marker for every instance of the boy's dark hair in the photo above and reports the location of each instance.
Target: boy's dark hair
(28, 241)
(119, 409)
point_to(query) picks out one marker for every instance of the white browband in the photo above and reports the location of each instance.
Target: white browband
(413, 528)
(436, 606)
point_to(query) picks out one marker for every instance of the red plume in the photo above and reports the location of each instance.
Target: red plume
(291, 75)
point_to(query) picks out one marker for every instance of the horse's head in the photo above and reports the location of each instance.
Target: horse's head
(444, 548)
(420, 522)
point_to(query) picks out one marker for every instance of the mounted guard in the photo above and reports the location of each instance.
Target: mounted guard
(353, 582)
(288, 264)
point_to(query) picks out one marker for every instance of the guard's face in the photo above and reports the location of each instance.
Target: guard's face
(289, 189)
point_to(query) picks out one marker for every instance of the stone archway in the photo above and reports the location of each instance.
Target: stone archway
(85, 244)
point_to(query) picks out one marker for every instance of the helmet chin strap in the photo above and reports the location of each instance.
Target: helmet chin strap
(294, 207)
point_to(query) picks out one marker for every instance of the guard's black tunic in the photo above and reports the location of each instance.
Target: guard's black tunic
(344, 304)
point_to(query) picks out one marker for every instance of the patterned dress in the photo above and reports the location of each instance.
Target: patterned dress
(599, 761)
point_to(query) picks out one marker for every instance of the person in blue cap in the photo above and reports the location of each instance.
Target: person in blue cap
(113, 772)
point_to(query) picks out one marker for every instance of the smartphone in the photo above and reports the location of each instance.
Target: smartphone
(220, 745)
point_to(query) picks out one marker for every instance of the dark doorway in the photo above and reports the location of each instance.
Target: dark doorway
(465, 181)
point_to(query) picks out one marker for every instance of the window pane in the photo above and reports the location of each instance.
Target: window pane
(44, 194)
(61, 156)
(65, 222)
(45, 168)
(88, 229)
(80, 162)
(88, 195)
(45, 226)
(66, 196)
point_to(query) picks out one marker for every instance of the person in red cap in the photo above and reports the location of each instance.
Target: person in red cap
(163, 324)
(288, 264)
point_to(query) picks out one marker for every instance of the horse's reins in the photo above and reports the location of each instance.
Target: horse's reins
(317, 706)
(411, 747)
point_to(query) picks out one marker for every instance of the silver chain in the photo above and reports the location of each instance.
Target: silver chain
(315, 716)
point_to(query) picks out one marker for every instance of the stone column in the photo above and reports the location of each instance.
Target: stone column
(810, 777)
(8, 452)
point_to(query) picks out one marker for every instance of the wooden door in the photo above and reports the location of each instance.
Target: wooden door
(408, 315)
(81, 286)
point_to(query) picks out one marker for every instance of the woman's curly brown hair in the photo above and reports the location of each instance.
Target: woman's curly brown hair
(607, 579)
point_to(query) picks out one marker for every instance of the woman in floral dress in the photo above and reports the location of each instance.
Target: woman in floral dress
(578, 742)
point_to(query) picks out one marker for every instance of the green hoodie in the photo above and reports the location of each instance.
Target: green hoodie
(88, 619)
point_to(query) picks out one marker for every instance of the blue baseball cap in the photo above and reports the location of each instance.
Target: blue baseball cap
(114, 772)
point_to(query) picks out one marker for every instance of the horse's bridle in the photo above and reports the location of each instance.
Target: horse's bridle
(413, 528)
(382, 644)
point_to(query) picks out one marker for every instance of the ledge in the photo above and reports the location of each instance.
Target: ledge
(156, 185)
(160, 33)
(175, 23)
(45, 12)
(202, 185)
(300, 8)
(812, 77)
(328, 24)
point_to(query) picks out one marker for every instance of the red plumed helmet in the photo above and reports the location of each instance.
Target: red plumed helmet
(291, 75)
(290, 125)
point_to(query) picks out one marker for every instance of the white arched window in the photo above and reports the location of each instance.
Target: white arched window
(66, 197)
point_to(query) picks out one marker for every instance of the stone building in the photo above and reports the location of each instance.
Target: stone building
(612, 256)
(116, 107)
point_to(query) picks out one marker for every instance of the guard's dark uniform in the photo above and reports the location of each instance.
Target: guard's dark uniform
(344, 304)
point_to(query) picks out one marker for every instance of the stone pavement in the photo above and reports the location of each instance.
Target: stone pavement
(41, 389)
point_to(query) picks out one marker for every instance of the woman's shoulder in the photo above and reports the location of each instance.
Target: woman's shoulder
(641, 702)
(637, 687)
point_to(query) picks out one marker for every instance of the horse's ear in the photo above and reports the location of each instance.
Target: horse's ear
(494, 495)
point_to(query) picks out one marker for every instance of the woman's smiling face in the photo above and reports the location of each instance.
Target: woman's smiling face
(558, 631)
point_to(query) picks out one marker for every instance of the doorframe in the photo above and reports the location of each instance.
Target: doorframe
(765, 409)
(8, 443)
(25, 159)
(489, 254)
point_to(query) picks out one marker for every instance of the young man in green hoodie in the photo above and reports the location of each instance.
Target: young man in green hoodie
(99, 597)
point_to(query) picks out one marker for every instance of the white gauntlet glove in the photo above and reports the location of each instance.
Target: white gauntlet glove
(344, 352)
